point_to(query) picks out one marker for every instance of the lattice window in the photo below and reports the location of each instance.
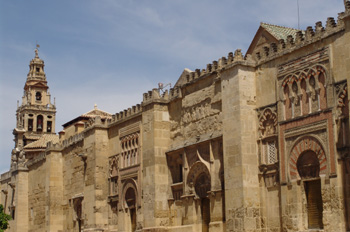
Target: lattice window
(271, 153)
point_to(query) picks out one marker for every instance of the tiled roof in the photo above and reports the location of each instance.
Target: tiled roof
(279, 32)
(97, 112)
(41, 143)
(91, 114)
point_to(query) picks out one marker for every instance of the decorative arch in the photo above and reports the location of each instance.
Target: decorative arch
(304, 91)
(307, 143)
(199, 178)
(196, 169)
(316, 71)
(267, 123)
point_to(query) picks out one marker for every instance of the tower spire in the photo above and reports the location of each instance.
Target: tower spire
(36, 114)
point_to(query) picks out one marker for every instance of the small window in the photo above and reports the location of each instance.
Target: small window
(30, 124)
(38, 96)
(49, 126)
(37, 69)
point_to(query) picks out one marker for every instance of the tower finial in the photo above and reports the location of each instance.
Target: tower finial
(37, 51)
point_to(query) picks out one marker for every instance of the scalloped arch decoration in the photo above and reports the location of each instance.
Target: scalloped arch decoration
(307, 143)
(306, 73)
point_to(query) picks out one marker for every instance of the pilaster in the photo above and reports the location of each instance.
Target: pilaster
(21, 200)
(156, 136)
(239, 147)
(54, 190)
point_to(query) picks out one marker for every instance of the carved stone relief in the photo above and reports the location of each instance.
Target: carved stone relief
(267, 122)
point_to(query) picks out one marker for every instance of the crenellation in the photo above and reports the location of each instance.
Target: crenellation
(215, 65)
(238, 56)
(197, 73)
(265, 52)
(281, 45)
(193, 75)
(230, 58)
(290, 42)
(273, 48)
(347, 6)
(127, 113)
(340, 20)
(209, 68)
(222, 62)
(331, 24)
(309, 33)
(319, 29)
(299, 38)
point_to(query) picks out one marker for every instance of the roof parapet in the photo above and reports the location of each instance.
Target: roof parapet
(301, 39)
(155, 96)
(127, 113)
(218, 65)
(176, 92)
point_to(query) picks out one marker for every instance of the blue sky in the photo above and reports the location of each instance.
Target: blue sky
(110, 52)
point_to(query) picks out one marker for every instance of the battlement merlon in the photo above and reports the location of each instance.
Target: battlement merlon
(154, 96)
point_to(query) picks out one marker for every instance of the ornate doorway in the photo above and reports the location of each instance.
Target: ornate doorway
(309, 169)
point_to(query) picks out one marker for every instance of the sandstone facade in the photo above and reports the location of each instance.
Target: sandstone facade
(250, 143)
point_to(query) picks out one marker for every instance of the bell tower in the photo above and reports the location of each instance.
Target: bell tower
(36, 115)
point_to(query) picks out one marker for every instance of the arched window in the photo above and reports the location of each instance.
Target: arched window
(38, 96)
(39, 123)
(30, 124)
